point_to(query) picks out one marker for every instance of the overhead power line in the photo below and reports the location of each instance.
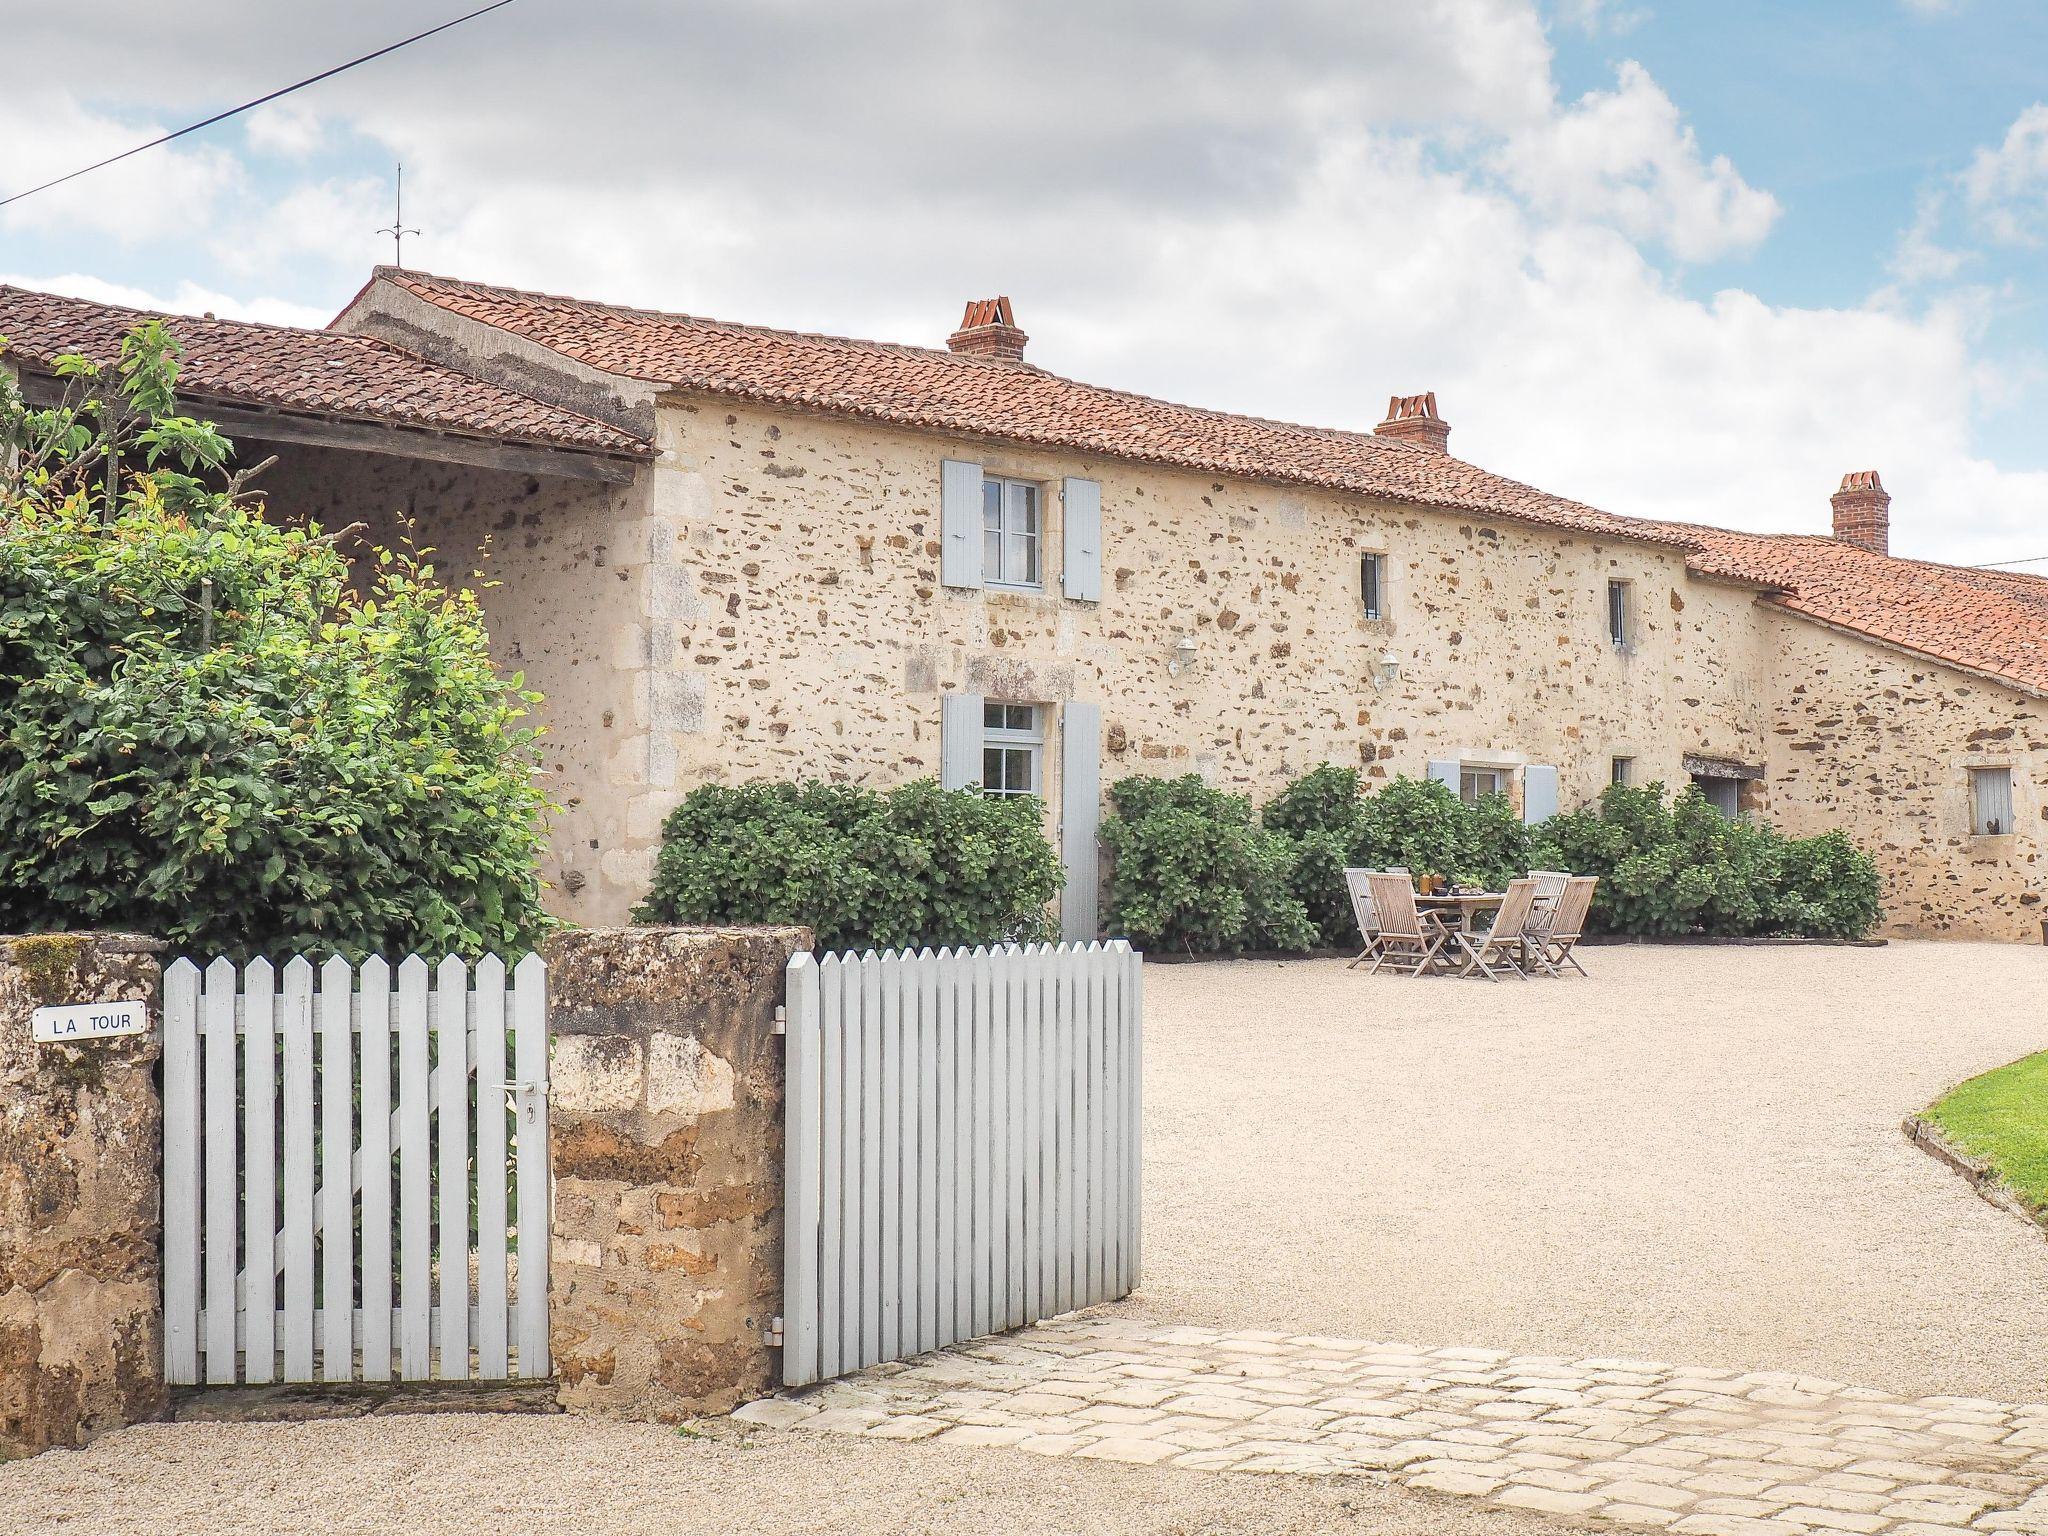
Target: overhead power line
(220, 117)
(1997, 565)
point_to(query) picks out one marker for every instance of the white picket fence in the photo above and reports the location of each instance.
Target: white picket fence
(326, 1140)
(961, 1145)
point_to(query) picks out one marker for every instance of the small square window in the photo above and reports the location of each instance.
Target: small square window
(1010, 529)
(1723, 792)
(1474, 784)
(1372, 584)
(1622, 770)
(1990, 801)
(1619, 618)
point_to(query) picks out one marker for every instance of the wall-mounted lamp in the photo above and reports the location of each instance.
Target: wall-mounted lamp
(1183, 655)
(1387, 672)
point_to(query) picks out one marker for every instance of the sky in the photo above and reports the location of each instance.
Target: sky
(1675, 259)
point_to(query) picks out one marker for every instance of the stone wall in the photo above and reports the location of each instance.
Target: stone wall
(666, 1105)
(1880, 744)
(81, 1131)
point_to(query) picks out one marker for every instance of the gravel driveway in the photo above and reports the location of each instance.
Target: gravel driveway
(1692, 1157)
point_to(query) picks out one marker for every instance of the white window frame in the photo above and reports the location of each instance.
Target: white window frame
(1503, 780)
(1621, 614)
(1007, 738)
(1031, 531)
(1372, 583)
(1980, 824)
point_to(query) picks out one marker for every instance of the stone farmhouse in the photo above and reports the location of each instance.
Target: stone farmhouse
(728, 552)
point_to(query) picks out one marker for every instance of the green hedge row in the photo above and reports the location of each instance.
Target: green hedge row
(905, 868)
(1194, 868)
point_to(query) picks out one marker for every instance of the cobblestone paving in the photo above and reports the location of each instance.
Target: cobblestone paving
(1717, 1453)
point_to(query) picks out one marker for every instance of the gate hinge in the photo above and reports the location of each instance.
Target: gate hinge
(772, 1334)
(781, 1020)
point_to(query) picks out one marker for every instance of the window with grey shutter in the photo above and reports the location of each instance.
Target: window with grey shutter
(960, 728)
(1080, 818)
(1445, 772)
(1372, 584)
(1081, 572)
(959, 523)
(1539, 793)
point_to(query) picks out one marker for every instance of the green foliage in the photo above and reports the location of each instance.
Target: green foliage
(1192, 869)
(915, 866)
(213, 730)
(1680, 867)
(2002, 1117)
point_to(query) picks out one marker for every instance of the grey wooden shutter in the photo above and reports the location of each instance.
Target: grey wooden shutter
(960, 525)
(1539, 793)
(1081, 571)
(1993, 814)
(1445, 772)
(1080, 818)
(960, 740)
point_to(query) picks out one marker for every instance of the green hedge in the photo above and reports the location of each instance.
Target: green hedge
(914, 866)
(1193, 868)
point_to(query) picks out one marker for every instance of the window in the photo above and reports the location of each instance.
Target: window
(1723, 794)
(1010, 533)
(1618, 615)
(1991, 801)
(1372, 585)
(1623, 770)
(1473, 783)
(1012, 749)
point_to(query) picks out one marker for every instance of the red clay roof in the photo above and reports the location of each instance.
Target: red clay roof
(321, 373)
(1989, 621)
(1994, 622)
(983, 397)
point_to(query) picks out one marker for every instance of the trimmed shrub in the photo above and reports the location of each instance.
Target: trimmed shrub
(1192, 869)
(911, 867)
(1680, 867)
(215, 731)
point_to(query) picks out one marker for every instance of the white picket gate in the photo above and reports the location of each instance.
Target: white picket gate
(325, 1145)
(961, 1146)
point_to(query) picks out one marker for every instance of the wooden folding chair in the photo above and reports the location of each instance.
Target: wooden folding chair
(1558, 933)
(1358, 883)
(1508, 940)
(1550, 884)
(1406, 932)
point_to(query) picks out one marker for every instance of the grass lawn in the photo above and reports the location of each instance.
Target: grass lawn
(2002, 1117)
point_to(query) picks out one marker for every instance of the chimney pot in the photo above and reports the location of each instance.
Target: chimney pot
(989, 329)
(1863, 512)
(1414, 419)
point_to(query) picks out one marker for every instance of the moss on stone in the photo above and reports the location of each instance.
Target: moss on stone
(48, 963)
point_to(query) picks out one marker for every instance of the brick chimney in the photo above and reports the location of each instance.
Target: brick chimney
(1413, 419)
(989, 329)
(1863, 512)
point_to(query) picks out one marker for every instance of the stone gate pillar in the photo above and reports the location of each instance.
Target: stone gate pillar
(666, 1110)
(81, 1143)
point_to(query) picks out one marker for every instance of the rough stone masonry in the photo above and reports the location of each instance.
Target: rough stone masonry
(666, 1099)
(81, 1131)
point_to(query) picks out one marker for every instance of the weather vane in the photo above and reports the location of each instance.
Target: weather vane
(396, 229)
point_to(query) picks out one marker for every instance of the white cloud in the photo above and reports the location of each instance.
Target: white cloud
(1920, 256)
(45, 133)
(1296, 211)
(2006, 186)
(1626, 157)
(1597, 17)
(289, 128)
(185, 299)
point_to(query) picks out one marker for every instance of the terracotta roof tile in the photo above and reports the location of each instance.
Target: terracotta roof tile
(1989, 621)
(979, 396)
(318, 372)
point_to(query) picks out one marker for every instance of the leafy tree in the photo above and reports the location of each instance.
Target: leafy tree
(915, 866)
(212, 729)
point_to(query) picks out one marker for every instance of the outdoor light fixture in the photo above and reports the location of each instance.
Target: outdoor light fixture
(1183, 655)
(1388, 671)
